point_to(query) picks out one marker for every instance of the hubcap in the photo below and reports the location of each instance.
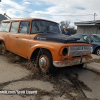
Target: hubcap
(98, 52)
(43, 62)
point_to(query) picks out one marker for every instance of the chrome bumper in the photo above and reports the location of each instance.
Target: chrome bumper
(72, 62)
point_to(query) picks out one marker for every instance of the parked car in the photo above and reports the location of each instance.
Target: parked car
(42, 39)
(93, 39)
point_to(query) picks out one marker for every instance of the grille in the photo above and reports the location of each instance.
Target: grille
(79, 50)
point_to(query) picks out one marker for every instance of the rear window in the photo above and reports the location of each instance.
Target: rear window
(14, 27)
(4, 27)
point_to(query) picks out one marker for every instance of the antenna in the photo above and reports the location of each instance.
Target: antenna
(6, 16)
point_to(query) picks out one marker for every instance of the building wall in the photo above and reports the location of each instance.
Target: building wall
(88, 29)
(80, 29)
(98, 31)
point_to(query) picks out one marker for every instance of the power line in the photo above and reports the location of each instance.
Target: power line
(49, 14)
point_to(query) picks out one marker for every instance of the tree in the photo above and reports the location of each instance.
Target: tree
(66, 24)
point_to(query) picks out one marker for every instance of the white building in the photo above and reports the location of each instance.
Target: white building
(88, 27)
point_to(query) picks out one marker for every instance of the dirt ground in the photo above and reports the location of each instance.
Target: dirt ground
(70, 83)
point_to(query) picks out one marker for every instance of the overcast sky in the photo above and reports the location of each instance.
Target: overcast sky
(45, 8)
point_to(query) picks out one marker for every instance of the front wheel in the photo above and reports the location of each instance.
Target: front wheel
(45, 62)
(97, 51)
(81, 65)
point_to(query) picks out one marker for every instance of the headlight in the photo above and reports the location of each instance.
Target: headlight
(91, 49)
(64, 51)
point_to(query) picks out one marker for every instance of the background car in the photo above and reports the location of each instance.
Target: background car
(93, 39)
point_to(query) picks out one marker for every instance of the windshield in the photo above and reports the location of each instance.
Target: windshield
(98, 35)
(42, 26)
(96, 38)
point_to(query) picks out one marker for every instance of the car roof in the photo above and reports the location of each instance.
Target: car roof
(23, 19)
(95, 34)
(89, 34)
(83, 34)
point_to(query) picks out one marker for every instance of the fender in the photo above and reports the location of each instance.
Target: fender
(33, 48)
(1, 39)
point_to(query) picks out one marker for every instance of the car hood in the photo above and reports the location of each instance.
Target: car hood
(61, 38)
(96, 43)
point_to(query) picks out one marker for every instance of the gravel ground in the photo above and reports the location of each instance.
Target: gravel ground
(71, 83)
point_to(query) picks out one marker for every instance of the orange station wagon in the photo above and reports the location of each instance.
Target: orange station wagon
(42, 39)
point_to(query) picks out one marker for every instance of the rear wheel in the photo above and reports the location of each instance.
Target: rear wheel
(97, 51)
(2, 48)
(45, 62)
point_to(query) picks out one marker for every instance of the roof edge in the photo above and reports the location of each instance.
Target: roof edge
(84, 23)
(19, 19)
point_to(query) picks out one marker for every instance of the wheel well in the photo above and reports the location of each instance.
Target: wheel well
(36, 51)
(1, 41)
(96, 49)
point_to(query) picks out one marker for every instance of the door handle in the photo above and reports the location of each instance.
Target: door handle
(16, 36)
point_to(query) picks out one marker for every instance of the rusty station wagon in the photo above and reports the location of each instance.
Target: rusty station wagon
(42, 39)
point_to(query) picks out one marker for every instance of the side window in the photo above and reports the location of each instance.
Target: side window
(1, 27)
(4, 27)
(24, 27)
(86, 38)
(14, 27)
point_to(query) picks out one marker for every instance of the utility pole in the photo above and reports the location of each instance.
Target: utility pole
(94, 16)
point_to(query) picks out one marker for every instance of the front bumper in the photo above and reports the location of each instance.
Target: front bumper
(72, 62)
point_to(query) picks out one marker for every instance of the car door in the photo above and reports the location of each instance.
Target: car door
(87, 39)
(22, 39)
(11, 36)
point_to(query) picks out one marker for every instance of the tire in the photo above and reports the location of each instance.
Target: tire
(2, 48)
(97, 51)
(81, 65)
(45, 62)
